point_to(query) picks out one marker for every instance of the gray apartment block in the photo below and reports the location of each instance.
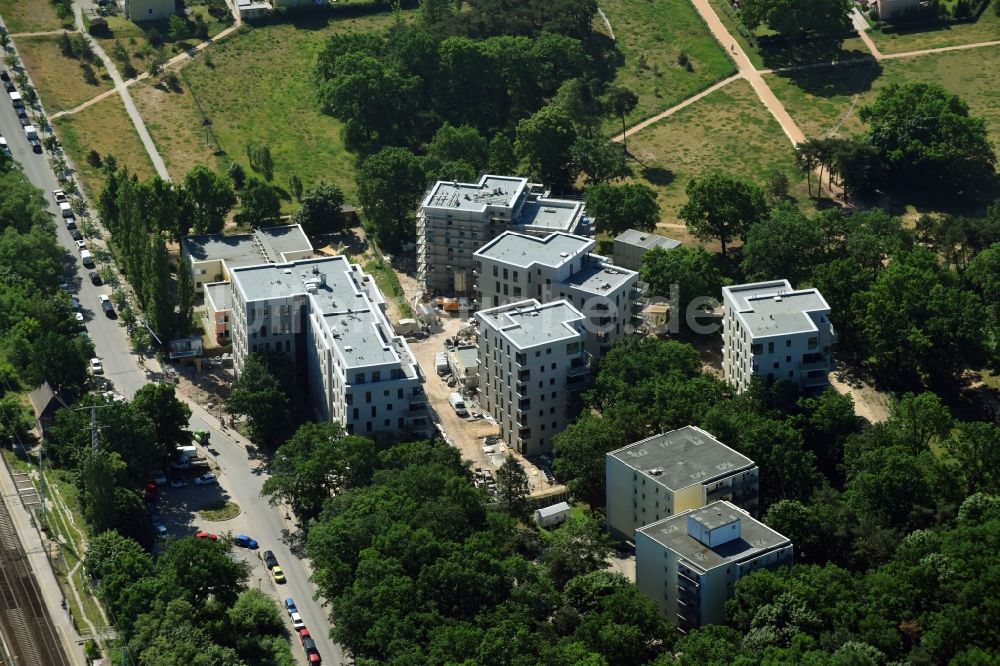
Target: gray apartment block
(688, 564)
(212, 256)
(456, 219)
(531, 358)
(673, 472)
(559, 266)
(328, 317)
(775, 332)
(631, 246)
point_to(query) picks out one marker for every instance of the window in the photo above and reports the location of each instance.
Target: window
(368, 397)
(495, 271)
(399, 394)
(376, 376)
(359, 378)
(770, 347)
(505, 274)
(776, 364)
(788, 343)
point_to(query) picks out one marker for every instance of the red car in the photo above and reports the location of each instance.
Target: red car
(206, 535)
(304, 634)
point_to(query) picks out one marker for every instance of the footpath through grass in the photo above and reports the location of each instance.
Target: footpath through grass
(106, 128)
(32, 16)
(652, 36)
(985, 29)
(58, 79)
(729, 131)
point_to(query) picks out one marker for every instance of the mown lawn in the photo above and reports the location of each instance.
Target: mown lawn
(58, 79)
(985, 29)
(728, 131)
(651, 36)
(106, 128)
(826, 101)
(258, 86)
(32, 16)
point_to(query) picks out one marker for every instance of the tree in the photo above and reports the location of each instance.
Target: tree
(100, 474)
(785, 245)
(823, 19)
(513, 488)
(390, 183)
(259, 156)
(722, 207)
(260, 205)
(924, 134)
(622, 101)
(236, 174)
(918, 420)
(577, 547)
(619, 207)
(200, 569)
(178, 28)
(545, 141)
(452, 144)
(320, 212)
(168, 415)
(105, 551)
(579, 456)
(692, 271)
(599, 158)
(212, 196)
(975, 449)
(257, 395)
(502, 159)
(295, 186)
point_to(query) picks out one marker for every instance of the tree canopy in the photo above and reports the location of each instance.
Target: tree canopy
(722, 207)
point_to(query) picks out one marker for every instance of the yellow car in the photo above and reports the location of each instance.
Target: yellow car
(279, 575)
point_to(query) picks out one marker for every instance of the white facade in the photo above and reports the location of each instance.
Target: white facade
(328, 316)
(513, 267)
(689, 564)
(631, 246)
(531, 358)
(671, 473)
(456, 219)
(775, 332)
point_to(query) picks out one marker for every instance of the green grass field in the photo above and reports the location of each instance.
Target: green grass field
(31, 16)
(58, 79)
(985, 29)
(106, 128)
(729, 131)
(133, 38)
(659, 32)
(825, 101)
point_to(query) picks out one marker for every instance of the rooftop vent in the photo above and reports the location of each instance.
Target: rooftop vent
(287, 271)
(348, 348)
(777, 299)
(656, 471)
(315, 269)
(564, 254)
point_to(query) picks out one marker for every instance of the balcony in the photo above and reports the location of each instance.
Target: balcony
(521, 389)
(524, 375)
(416, 409)
(685, 579)
(579, 365)
(524, 404)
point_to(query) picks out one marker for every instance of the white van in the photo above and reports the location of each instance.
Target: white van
(87, 258)
(456, 402)
(66, 209)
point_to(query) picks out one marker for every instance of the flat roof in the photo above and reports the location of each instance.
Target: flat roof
(774, 308)
(522, 250)
(221, 295)
(646, 239)
(490, 191)
(598, 276)
(686, 456)
(551, 214)
(528, 323)
(263, 245)
(357, 328)
(755, 536)
(468, 356)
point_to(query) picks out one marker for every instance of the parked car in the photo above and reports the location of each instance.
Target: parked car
(297, 622)
(279, 576)
(290, 606)
(36, 145)
(178, 483)
(304, 634)
(96, 367)
(87, 259)
(160, 478)
(201, 436)
(458, 404)
(4, 76)
(244, 541)
(206, 535)
(95, 277)
(4, 148)
(269, 559)
(75, 234)
(308, 644)
(60, 196)
(314, 658)
(160, 529)
(70, 222)
(81, 245)
(109, 309)
(9, 86)
(205, 479)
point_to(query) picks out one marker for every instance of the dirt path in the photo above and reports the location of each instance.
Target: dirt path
(675, 108)
(869, 402)
(44, 33)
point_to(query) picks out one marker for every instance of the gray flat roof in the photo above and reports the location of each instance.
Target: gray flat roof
(646, 239)
(551, 214)
(755, 537)
(599, 277)
(492, 191)
(517, 249)
(553, 510)
(774, 308)
(687, 456)
(221, 294)
(469, 356)
(358, 329)
(262, 246)
(529, 324)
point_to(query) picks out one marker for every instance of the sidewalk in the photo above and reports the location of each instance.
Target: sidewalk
(52, 595)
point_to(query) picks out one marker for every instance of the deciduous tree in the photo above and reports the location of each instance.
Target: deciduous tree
(212, 196)
(722, 207)
(616, 208)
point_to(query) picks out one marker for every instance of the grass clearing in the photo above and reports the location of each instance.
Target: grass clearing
(728, 131)
(106, 128)
(32, 16)
(258, 85)
(133, 38)
(388, 284)
(651, 36)
(824, 100)
(58, 79)
(985, 29)
(220, 511)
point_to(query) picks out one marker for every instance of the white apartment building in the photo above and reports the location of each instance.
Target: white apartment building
(671, 473)
(631, 246)
(775, 332)
(531, 357)
(559, 266)
(456, 219)
(328, 316)
(688, 564)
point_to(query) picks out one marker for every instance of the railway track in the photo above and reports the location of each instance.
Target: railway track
(27, 628)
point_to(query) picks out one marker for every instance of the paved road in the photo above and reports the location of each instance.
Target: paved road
(121, 366)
